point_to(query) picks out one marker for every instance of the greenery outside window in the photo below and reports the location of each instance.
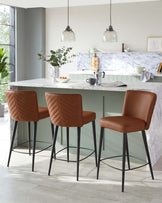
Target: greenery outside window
(7, 41)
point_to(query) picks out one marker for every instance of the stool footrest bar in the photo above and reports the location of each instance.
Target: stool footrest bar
(145, 163)
(93, 151)
(20, 152)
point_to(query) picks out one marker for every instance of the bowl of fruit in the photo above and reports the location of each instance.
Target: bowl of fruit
(62, 79)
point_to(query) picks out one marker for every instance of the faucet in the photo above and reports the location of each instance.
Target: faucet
(97, 78)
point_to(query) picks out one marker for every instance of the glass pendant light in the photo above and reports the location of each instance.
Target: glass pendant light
(68, 34)
(110, 34)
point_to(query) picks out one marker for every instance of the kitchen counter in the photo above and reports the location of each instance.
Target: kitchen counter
(105, 101)
(82, 85)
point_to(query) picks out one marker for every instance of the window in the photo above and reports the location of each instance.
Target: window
(7, 41)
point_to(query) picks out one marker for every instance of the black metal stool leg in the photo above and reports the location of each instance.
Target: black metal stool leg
(94, 139)
(67, 139)
(127, 148)
(99, 153)
(52, 130)
(123, 162)
(29, 138)
(12, 142)
(53, 149)
(34, 144)
(147, 152)
(78, 150)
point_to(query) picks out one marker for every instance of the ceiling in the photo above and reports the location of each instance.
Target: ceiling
(62, 3)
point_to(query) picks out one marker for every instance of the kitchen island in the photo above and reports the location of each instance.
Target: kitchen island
(104, 100)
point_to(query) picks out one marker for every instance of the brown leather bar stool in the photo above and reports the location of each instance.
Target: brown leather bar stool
(23, 106)
(66, 111)
(136, 116)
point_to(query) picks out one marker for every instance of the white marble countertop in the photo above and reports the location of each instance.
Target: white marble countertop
(82, 85)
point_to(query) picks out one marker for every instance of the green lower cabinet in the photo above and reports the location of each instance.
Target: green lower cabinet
(104, 104)
(124, 78)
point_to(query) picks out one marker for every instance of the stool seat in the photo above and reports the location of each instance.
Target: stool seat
(43, 112)
(124, 124)
(88, 116)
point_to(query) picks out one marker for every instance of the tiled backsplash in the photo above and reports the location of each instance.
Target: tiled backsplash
(121, 62)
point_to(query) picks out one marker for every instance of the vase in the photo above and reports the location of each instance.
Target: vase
(55, 73)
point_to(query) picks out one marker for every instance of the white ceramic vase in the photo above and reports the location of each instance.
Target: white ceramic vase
(55, 73)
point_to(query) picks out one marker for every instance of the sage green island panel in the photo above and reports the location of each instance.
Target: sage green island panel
(114, 77)
(91, 102)
(105, 101)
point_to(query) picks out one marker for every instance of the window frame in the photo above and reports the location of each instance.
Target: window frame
(11, 44)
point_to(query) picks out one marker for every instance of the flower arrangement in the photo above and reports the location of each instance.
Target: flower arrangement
(57, 58)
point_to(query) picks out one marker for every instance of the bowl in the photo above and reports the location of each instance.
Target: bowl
(139, 70)
(62, 80)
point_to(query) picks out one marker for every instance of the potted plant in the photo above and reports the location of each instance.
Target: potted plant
(4, 72)
(57, 58)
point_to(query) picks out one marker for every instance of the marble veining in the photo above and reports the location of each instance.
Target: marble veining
(154, 132)
(121, 62)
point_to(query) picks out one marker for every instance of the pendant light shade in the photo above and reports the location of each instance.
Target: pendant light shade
(110, 34)
(68, 35)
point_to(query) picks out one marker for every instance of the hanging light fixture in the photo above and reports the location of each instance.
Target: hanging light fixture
(68, 34)
(110, 34)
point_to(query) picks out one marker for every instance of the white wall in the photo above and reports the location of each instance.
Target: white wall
(134, 22)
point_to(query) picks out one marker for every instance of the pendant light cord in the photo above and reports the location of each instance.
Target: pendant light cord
(68, 14)
(68, 34)
(110, 12)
